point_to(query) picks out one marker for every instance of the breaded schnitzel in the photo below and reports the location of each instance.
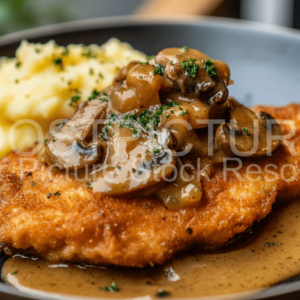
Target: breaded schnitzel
(65, 221)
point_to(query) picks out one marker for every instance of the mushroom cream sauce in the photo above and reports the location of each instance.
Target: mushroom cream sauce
(145, 134)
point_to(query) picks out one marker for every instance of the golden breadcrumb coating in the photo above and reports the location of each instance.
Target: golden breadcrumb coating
(81, 226)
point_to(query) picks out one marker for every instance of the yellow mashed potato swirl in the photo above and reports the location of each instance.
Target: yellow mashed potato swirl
(40, 83)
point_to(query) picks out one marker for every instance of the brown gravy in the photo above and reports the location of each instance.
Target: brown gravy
(269, 254)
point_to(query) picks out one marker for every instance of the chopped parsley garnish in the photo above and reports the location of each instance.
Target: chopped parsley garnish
(141, 77)
(105, 98)
(131, 117)
(172, 111)
(66, 52)
(167, 116)
(100, 75)
(91, 71)
(74, 100)
(137, 132)
(53, 141)
(144, 63)
(113, 287)
(57, 61)
(118, 167)
(162, 293)
(57, 193)
(89, 54)
(14, 272)
(246, 130)
(183, 113)
(140, 172)
(18, 64)
(150, 57)
(33, 184)
(270, 244)
(46, 141)
(185, 49)
(153, 119)
(89, 185)
(159, 70)
(190, 67)
(146, 120)
(155, 151)
(208, 66)
(171, 104)
(94, 95)
(114, 118)
(63, 122)
(102, 136)
(133, 170)
(37, 50)
(171, 62)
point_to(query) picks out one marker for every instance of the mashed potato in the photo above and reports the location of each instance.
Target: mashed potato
(45, 82)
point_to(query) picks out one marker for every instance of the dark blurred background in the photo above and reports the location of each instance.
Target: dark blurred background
(21, 14)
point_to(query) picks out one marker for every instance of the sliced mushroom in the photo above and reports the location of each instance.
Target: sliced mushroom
(248, 133)
(121, 76)
(182, 192)
(198, 112)
(223, 70)
(212, 89)
(134, 165)
(139, 91)
(176, 120)
(191, 144)
(203, 150)
(69, 148)
(81, 124)
(71, 155)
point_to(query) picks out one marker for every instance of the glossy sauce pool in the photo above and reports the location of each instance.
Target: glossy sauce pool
(266, 255)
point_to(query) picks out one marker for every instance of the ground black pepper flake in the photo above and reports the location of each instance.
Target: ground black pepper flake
(189, 230)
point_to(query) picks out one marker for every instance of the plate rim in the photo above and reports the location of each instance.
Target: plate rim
(135, 20)
(143, 20)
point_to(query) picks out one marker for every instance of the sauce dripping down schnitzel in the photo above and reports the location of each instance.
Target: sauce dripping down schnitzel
(260, 258)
